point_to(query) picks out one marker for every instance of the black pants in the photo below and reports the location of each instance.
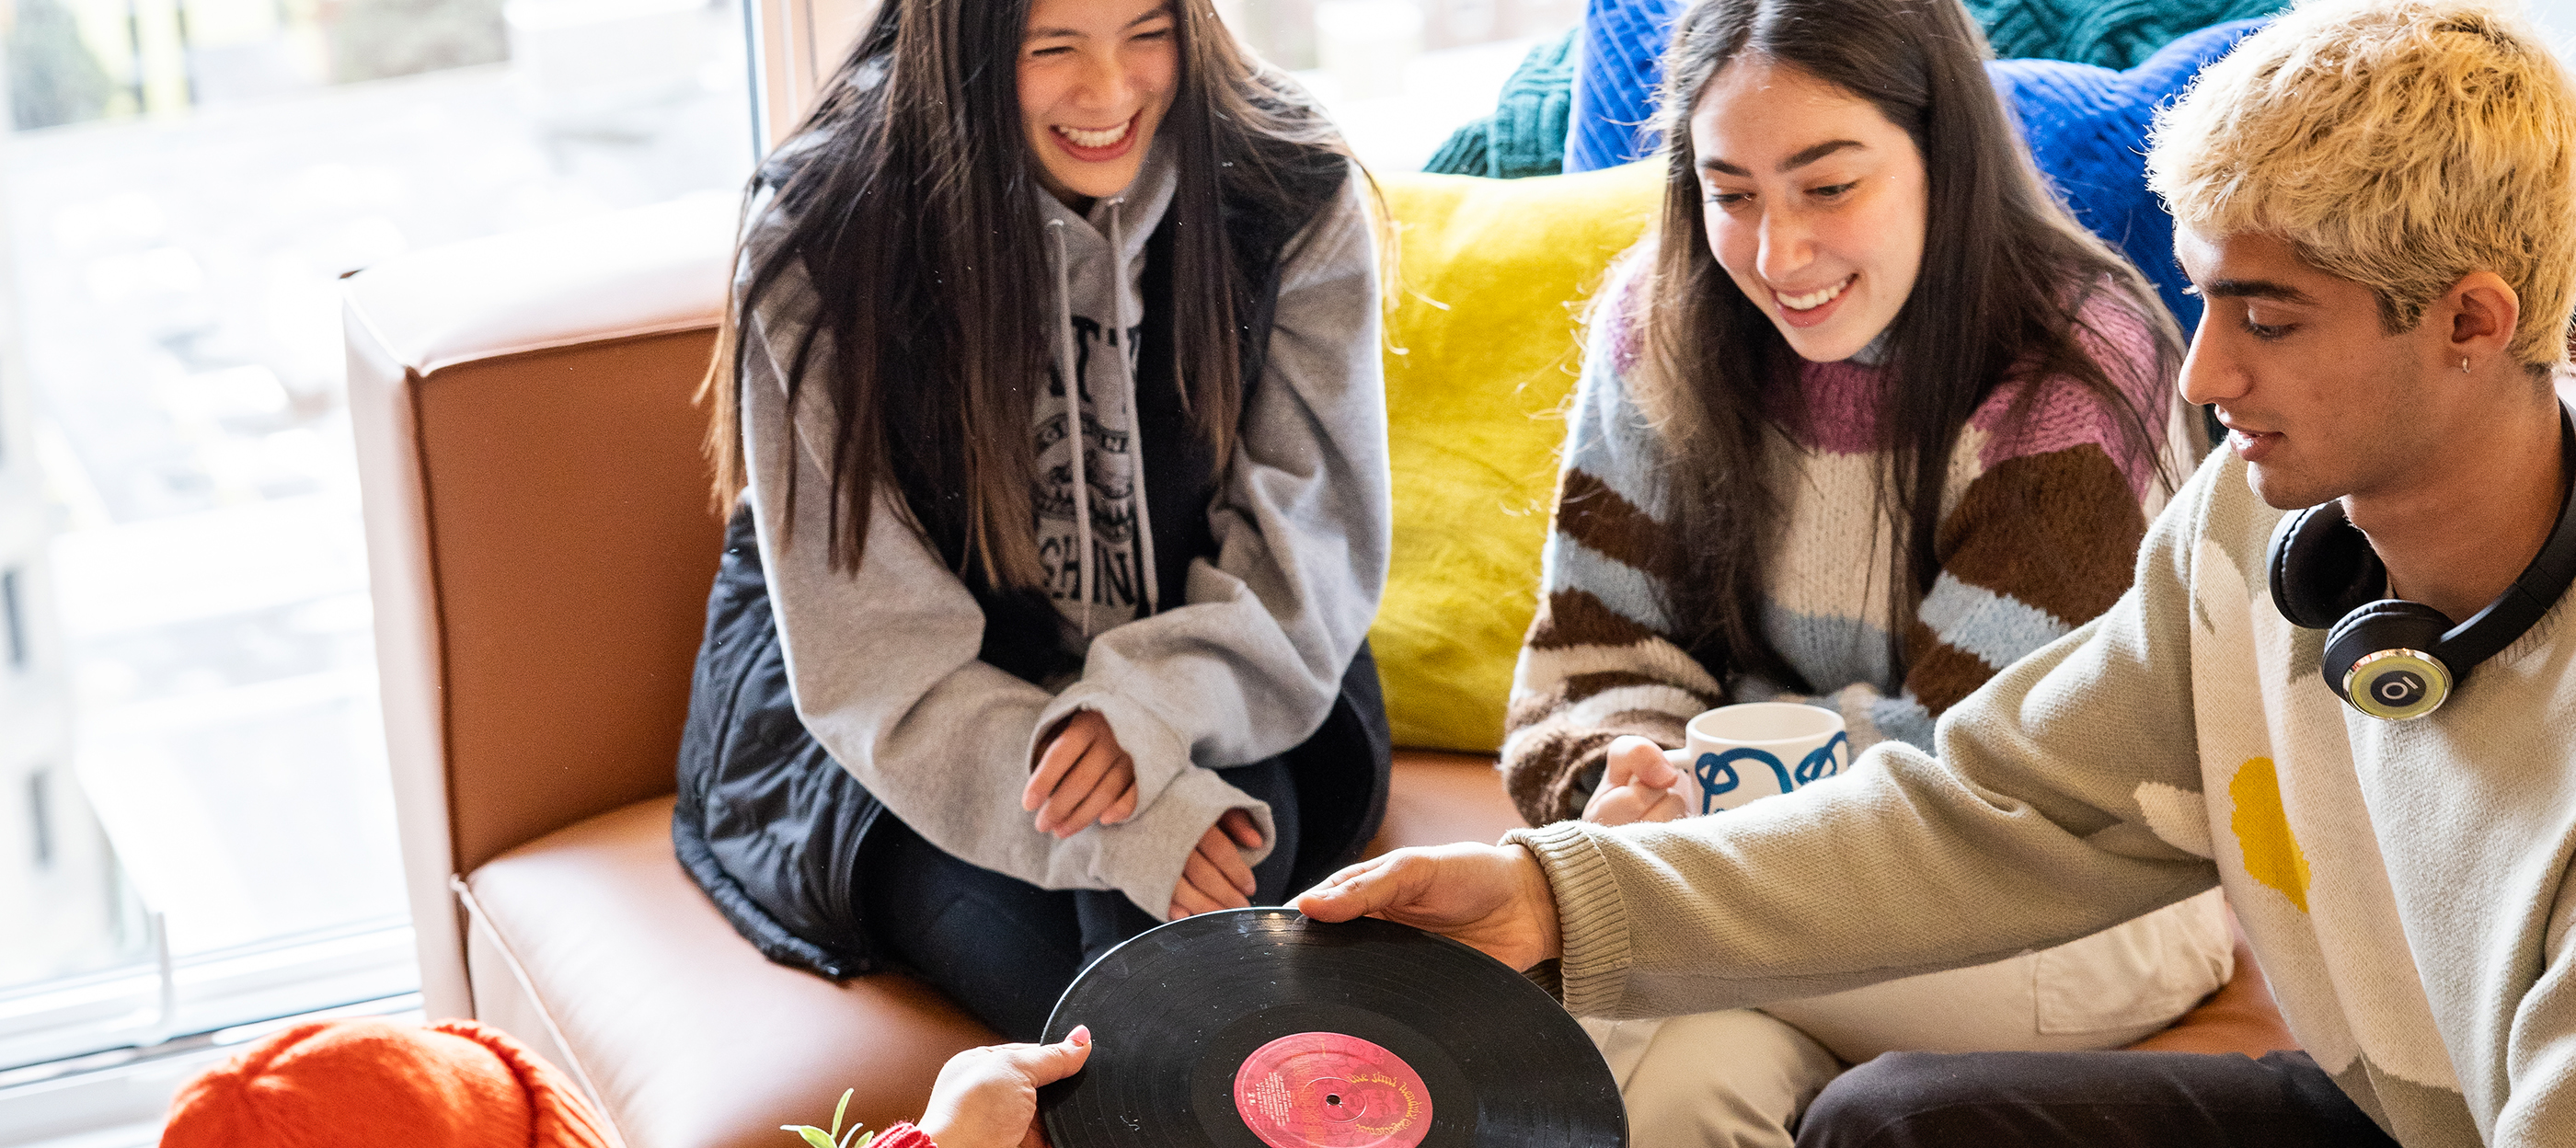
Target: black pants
(1006, 949)
(2094, 1099)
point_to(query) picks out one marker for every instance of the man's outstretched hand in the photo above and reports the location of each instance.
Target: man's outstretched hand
(1492, 897)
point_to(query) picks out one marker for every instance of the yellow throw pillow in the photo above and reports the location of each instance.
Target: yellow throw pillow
(1483, 345)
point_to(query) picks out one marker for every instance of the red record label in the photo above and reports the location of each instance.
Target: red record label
(1329, 1090)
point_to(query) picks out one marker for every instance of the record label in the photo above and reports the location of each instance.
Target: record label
(1331, 1090)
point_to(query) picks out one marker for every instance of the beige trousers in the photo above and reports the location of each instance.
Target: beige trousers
(1740, 1078)
(1733, 1079)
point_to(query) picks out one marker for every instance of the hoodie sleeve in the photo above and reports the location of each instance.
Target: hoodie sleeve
(1303, 523)
(883, 663)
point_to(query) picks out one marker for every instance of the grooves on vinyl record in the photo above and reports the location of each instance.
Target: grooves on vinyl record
(1259, 1028)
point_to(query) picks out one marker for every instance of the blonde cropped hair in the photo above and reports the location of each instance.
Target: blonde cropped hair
(2400, 144)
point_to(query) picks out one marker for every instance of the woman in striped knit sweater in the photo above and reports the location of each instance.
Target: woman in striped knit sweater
(1867, 419)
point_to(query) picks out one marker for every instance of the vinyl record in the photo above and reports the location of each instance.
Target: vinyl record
(1259, 1028)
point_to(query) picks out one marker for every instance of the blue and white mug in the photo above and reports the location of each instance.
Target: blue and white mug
(1739, 753)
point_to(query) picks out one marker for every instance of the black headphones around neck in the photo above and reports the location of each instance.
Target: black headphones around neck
(2388, 657)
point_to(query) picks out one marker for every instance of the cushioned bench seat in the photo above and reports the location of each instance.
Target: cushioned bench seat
(598, 921)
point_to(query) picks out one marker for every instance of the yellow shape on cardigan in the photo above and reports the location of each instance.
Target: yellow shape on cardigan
(1483, 345)
(2272, 854)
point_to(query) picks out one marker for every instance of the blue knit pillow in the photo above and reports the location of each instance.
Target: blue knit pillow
(1618, 59)
(2087, 125)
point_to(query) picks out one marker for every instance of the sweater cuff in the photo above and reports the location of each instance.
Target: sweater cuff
(1591, 917)
(1143, 857)
(1553, 767)
(903, 1135)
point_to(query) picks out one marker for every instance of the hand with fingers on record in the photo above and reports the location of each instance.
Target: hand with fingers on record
(987, 1097)
(1262, 1028)
(1493, 898)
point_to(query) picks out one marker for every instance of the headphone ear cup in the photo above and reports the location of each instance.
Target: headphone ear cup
(2320, 568)
(2403, 677)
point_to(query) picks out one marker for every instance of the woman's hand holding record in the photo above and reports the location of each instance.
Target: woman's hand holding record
(987, 1097)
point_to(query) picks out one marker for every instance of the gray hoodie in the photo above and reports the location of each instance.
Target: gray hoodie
(1098, 551)
(883, 662)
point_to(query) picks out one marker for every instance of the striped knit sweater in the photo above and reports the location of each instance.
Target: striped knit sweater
(2040, 522)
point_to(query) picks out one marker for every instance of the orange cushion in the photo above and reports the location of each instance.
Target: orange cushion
(456, 1084)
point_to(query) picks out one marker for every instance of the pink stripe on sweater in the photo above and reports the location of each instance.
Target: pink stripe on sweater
(1842, 398)
(1842, 401)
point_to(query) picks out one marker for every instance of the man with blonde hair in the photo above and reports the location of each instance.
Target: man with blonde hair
(2378, 199)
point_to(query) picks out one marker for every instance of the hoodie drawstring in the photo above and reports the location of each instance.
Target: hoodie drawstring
(1135, 442)
(1120, 335)
(1071, 371)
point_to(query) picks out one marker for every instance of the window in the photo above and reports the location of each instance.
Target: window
(1398, 76)
(189, 715)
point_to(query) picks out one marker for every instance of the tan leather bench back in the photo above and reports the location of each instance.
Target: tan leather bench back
(540, 565)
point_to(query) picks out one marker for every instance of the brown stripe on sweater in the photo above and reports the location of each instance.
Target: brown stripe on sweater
(1588, 511)
(2058, 531)
(1570, 618)
(1939, 674)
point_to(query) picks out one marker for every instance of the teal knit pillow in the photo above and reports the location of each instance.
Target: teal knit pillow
(1526, 134)
(2115, 34)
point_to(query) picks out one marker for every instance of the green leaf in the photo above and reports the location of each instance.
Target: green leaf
(815, 1136)
(870, 1138)
(853, 1134)
(840, 1108)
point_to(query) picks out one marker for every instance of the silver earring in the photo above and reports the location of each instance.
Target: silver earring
(2464, 364)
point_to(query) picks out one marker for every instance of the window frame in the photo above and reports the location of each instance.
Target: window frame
(61, 1022)
(796, 45)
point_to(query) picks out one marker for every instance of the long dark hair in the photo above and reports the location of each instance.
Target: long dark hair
(908, 200)
(2004, 273)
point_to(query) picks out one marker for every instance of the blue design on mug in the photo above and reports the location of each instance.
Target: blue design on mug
(1716, 773)
(1715, 777)
(1824, 762)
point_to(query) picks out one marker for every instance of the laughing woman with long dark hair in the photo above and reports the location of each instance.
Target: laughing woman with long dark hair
(1051, 420)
